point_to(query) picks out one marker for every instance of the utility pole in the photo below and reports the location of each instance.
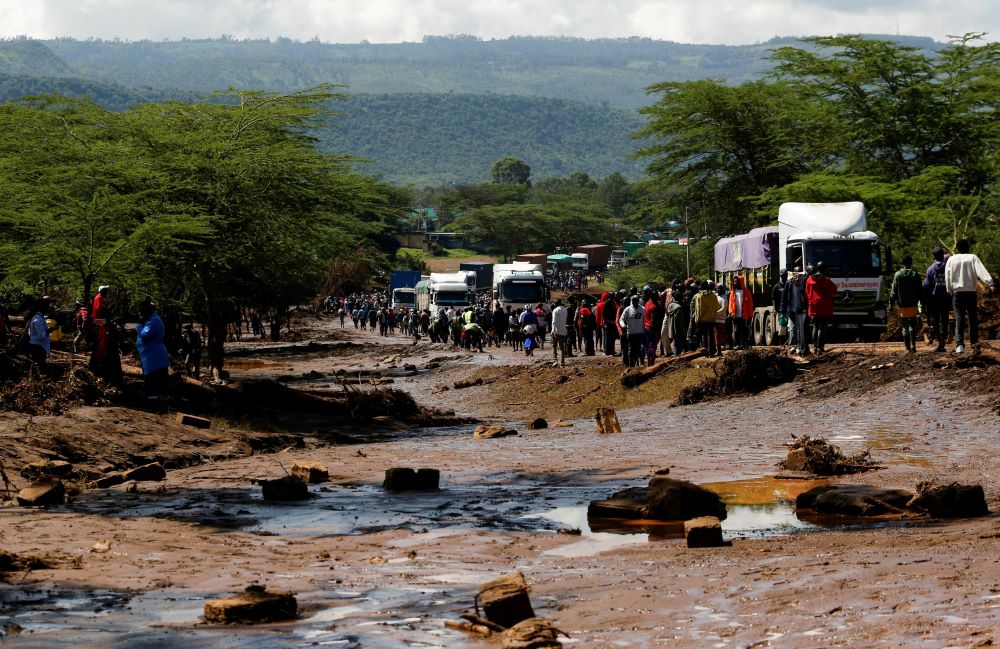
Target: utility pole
(687, 242)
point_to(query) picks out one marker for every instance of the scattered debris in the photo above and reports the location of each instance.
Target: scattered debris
(538, 424)
(101, 546)
(311, 472)
(742, 372)
(252, 606)
(11, 562)
(562, 423)
(505, 600)
(104, 482)
(533, 633)
(703, 532)
(469, 627)
(191, 420)
(949, 500)
(468, 383)
(490, 432)
(42, 493)
(287, 489)
(607, 421)
(817, 456)
(403, 479)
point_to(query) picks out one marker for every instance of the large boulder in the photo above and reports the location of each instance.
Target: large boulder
(152, 472)
(311, 472)
(679, 500)
(703, 532)
(853, 500)
(286, 489)
(949, 501)
(665, 499)
(46, 469)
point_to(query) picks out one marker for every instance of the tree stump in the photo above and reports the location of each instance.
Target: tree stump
(607, 421)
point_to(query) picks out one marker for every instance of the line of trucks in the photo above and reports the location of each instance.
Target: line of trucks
(807, 233)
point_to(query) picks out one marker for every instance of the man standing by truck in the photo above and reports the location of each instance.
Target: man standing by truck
(961, 273)
(820, 291)
(741, 311)
(905, 294)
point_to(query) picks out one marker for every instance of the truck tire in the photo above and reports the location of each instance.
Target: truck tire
(758, 329)
(770, 329)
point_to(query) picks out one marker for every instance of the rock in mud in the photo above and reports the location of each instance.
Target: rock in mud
(311, 472)
(286, 489)
(404, 479)
(703, 532)
(679, 500)
(47, 468)
(538, 424)
(254, 605)
(853, 500)
(665, 499)
(607, 421)
(42, 493)
(104, 482)
(191, 420)
(152, 472)
(490, 432)
(533, 633)
(949, 501)
(505, 600)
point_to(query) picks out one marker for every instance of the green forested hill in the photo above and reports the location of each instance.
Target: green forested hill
(432, 139)
(614, 71)
(24, 56)
(109, 95)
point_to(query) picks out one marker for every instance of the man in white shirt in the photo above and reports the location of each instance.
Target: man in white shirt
(632, 326)
(960, 275)
(559, 332)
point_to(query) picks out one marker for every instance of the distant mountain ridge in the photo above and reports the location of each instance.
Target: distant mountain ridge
(436, 112)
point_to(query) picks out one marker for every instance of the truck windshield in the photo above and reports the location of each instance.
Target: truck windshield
(403, 296)
(845, 257)
(518, 291)
(451, 298)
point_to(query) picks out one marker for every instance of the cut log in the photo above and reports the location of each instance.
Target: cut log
(254, 605)
(607, 421)
(636, 377)
(311, 472)
(191, 420)
(505, 600)
(703, 532)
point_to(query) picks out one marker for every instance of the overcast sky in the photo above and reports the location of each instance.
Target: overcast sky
(351, 21)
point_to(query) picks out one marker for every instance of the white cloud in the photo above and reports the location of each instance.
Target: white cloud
(701, 21)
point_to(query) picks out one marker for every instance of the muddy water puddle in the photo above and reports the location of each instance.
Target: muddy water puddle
(892, 446)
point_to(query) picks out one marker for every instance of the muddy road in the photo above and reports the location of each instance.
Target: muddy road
(133, 565)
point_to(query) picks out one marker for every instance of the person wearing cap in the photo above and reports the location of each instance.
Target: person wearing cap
(152, 352)
(820, 291)
(39, 340)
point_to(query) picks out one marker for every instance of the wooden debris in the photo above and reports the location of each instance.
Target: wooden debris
(607, 421)
(505, 600)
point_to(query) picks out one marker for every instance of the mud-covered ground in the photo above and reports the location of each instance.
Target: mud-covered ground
(372, 569)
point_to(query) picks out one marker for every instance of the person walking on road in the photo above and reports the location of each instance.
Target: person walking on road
(820, 291)
(905, 294)
(560, 330)
(937, 301)
(39, 333)
(960, 275)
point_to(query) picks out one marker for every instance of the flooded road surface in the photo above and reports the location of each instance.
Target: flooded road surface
(372, 569)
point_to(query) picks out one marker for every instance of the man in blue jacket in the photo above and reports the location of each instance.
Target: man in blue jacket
(152, 351)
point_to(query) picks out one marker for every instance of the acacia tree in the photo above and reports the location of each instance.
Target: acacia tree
(510, 171)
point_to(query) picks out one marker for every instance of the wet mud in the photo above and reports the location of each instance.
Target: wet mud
(373, 569)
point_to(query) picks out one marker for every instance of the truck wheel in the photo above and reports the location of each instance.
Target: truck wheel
(758, 329)
(770, 332)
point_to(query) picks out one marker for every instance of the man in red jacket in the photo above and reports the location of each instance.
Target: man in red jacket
(820, 291)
